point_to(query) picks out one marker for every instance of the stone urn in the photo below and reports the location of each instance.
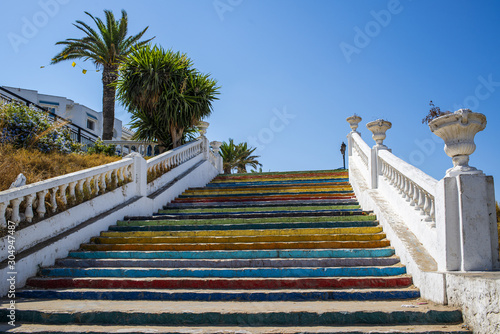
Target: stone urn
(378, 128)
(458, 130)
(202, 125)
(353, 122)
(216, 145)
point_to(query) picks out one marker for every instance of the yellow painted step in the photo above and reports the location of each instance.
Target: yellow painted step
(237, 239)
(215, 233)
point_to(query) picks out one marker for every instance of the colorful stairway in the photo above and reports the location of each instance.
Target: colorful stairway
(254, 253)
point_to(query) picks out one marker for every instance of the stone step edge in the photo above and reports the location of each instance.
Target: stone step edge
(87, 329)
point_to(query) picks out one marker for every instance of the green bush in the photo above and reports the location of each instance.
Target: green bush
(100, 148)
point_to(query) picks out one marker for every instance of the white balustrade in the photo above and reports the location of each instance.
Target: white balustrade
(413, 185)
(33, 196)
(170, 159)
(360, 148)
(125, 147)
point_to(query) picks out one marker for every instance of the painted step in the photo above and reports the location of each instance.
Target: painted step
(221, 283)
(239, 254)
(246, 232)
(263, 209)
(237, 263)
(267, 190)
(235, 239)
(223, 296)
(277, 197)
(298, 182)
(259, 203)
(77, 329)
(237, 246)
(248, 226)
(311, 193)
(287, 314)
(223, 272)
(160, 220)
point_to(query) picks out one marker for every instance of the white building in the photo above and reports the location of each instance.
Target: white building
(88, 120)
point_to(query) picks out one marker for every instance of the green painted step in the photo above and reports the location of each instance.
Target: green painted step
(286, 314)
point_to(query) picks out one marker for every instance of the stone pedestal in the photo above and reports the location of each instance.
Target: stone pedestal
(466, 223)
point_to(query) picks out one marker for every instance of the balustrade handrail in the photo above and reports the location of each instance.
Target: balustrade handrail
(28, 189)
(96, 177)
(172, 152)
(361, 143)
(426, 182)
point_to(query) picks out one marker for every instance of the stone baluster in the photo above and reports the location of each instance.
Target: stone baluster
(16, 218)
(40, 209)
(71, 191)
(53, 201)
(28, 213)
(3, 221)
(96, 184)
(62, 193)
(103, 182)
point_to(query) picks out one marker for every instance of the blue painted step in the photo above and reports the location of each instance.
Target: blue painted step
(246, 272)
(242, 254)
(217, 296)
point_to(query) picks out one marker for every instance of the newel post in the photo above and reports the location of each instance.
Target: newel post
(378, 128)
(465, 199)
(139, 173)
(216, 147)
(353, 123)
(202, 125)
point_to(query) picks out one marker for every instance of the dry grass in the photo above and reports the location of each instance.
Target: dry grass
(37, 166)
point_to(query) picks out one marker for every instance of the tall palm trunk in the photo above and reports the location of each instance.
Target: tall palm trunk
(109, 76)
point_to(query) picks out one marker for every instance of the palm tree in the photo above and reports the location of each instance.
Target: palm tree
(245, 158)
(165, 94)
(107, 47)
(237, 157)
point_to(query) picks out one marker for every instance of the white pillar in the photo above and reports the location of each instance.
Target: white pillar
(466, 223)
(140, 173)
(378, 128)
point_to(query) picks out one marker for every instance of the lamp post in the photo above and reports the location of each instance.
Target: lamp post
(342, 150)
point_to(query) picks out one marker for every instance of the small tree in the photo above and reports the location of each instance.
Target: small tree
(238, 157)
(165, 94)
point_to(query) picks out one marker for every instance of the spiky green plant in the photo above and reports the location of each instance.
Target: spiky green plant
(165, 95)
(237, 157)
(106, 47)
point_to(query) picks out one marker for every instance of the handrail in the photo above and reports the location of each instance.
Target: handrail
(415, 186)
(361, 148)
(70, 187)
(166, 161)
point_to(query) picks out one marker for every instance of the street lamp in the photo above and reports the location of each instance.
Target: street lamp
(342, 150)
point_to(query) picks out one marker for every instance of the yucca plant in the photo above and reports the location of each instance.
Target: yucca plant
(106, 47)
(165, 95)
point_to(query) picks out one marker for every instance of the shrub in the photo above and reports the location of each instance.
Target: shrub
(23, 127)
(100, 148)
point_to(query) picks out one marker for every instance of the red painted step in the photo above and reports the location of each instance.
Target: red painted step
(172, 283)
(263, 197)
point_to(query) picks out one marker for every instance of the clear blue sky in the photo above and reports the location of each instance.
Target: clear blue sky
(291, 71)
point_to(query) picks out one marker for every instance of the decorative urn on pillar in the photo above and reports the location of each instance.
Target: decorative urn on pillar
(202, 125)
(378, 128)
(353, 122)
(458, 130)
(216, 145)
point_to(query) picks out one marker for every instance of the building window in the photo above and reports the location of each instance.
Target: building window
(90, 124)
